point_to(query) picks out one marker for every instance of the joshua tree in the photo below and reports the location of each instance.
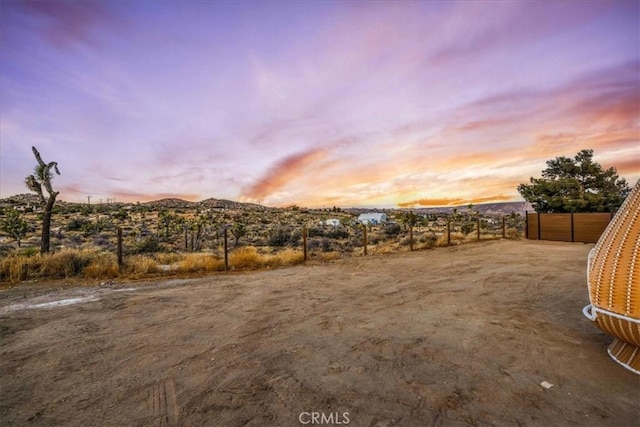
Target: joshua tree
(238, 230)
(42, 178)
(14, 225)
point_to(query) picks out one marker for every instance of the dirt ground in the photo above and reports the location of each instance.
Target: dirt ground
(454, 336)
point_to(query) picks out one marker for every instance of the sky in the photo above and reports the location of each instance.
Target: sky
(315, 103)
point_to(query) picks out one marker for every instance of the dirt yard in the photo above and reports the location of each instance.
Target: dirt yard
(453, 336)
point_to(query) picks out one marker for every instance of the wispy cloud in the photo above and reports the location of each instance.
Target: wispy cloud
(285, 172)
(66, 23)
(330, 103)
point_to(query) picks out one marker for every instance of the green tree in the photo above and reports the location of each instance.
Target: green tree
(575, 184)
(42, 178)
(14, 225)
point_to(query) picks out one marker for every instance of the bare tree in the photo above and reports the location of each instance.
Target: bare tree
(42, 178)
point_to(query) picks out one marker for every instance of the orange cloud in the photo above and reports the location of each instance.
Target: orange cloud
(454, 202)
(625, 167)
(283, 172)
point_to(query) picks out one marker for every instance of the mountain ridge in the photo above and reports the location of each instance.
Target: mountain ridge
(213, 203)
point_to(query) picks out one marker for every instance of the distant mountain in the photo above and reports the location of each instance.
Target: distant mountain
(21, 200)
(212, 203)
(170, 203)
(485, 208)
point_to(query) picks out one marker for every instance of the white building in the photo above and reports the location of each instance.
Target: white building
(333, 221)
(373, 218)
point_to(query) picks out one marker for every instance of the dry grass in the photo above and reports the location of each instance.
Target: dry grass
(249, 258)
(456, 239)
(286, 257)
(246, 257)
(140, 265)
(328, 256)
(514, 234)
(97, 264)
(65, 263)
(168, 257)
(102, 265)
(197, 262)
(15, 268)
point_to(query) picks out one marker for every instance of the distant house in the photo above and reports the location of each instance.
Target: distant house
(373, 218)
(333, 221)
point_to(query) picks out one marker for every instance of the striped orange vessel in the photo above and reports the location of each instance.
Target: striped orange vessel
(613, 277)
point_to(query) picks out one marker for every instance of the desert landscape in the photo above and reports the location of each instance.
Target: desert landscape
(487, 333)
(291, 213)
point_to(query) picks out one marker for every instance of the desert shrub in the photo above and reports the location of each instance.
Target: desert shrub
(286, 257)
(406, 241)
(329, 256)
(246, 257)
(140, 264)
(195, 262)
(513, 233)
(468, 227)
(5, 250)
(16, 267)
(315, 232)
(121, 215)
(279, 237)
(147, 245)
(168, 257)
(64, 263)
(456, 238)
(77, 224)
(30, 251)
(337, 233)
(76, 239)
(101, 240)
(102, 265)
(283, 236)
(392, 229)
(427, 241)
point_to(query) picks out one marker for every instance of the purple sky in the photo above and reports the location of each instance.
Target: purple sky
(315, 103)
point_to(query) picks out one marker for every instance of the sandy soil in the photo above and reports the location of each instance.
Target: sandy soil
(452, 336)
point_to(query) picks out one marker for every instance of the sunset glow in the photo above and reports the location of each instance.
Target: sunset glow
(380, 104)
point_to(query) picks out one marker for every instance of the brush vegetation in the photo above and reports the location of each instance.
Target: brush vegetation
(173, 237)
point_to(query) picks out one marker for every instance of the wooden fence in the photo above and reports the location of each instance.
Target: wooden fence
(566, 227)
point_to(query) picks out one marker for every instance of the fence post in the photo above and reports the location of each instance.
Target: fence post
(411, 237)
(304, 242)
(364, 238)
(120, 261)
(526, 224)
(572, 227)
(226, 254)
(478, 227)
(448, 232)
(504, 233)
(186, 239)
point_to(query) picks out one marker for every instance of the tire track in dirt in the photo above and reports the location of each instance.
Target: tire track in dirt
(162, 403)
